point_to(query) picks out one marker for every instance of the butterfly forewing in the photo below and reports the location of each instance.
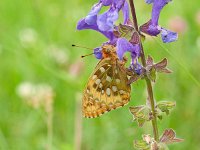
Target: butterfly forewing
(107, 89)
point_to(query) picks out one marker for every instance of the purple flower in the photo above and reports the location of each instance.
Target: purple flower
(91, 18)
(105, 21)
(83, 25)
(98, 53)
(152, 28)
(149, 1)
(125, 46)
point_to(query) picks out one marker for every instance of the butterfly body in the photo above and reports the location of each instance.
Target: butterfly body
(107, 88)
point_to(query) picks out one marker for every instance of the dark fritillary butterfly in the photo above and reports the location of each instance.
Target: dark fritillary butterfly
(107, 88)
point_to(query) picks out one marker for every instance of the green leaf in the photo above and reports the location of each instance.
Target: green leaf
(165, 106)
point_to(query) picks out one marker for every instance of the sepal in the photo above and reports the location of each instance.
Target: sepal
(152, 68)
(165, 106)
(169, 137)
(141, 114)
(125, 31)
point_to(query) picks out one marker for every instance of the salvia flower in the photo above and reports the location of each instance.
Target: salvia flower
(125, 46)
(152, 27)
(104, 23)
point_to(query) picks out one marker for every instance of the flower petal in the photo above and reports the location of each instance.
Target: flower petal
(118, 4)
(107, 2)
(150, 29)
(125, 11)
(157, 7)
(106, 20)
(83, 25)
(168, 36)
(92, 16)
(123, 46)
(149, 1)
(136, 67)
(98, 53)
(153, 30)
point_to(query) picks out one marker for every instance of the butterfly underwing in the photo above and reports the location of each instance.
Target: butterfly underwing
(108, 87)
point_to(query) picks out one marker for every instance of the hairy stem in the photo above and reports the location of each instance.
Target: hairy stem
(148, 82)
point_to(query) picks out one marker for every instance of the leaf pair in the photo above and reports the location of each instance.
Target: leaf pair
(152, 68)
(148, 143)
(143, 113)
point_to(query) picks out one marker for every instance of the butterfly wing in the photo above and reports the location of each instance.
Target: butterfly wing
(107, 89)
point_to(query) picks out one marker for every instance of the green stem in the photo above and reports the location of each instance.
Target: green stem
(148, 82)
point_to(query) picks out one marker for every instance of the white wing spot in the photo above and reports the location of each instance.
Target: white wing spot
(102, 70)
(118, 80)
(108, 91)
(116, 71)
(122, 92)
(129, 77)
(108, 78)
(98, 81)
(94, 77)
(88, 91)
(102, 91)
(114, 88)
(100, 85)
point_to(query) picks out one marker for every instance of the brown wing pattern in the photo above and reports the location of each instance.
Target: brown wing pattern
(107, 89)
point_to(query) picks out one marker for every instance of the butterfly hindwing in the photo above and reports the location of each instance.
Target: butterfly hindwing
(107, 89)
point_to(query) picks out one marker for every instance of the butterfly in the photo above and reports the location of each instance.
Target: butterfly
(107, 88)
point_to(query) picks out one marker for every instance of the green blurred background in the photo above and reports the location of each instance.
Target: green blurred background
(36, 55)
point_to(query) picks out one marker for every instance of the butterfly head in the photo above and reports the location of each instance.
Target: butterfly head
(109, 51)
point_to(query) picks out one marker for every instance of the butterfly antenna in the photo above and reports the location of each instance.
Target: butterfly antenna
(73, 45)
(86, 55)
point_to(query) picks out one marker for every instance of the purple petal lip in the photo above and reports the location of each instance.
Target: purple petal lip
(83, 25)
(168, 36)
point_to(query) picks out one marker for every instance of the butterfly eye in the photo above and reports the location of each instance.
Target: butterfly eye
(108, 50)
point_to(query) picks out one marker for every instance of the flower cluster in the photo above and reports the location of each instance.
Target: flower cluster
(152, 28)
(105, 24)
(124, 36)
